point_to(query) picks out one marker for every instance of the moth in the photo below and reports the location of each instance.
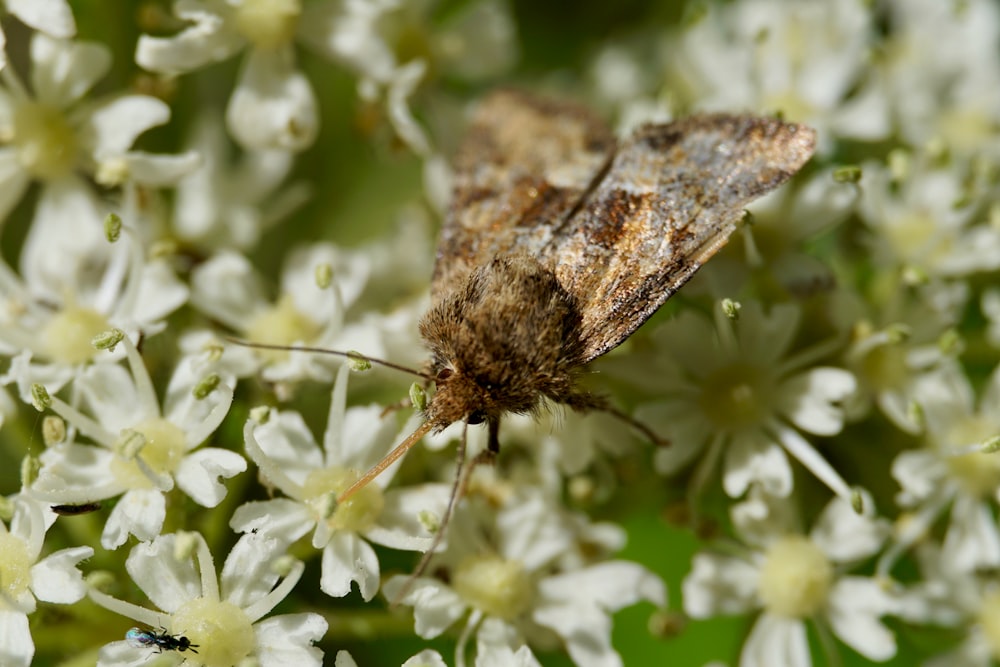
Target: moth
(561, 241)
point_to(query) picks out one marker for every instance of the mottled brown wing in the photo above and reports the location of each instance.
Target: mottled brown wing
(670, 199)
(523, 167)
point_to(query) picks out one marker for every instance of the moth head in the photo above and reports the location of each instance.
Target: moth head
(458, 397)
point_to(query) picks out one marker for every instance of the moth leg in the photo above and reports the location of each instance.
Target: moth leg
(585, 402)
(463, 474)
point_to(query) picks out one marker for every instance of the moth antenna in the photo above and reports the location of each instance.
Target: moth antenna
(323, 350)
(462, 472)
(386, 461)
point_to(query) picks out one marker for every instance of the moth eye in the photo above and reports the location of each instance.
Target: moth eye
(476, 417)
(444, 374)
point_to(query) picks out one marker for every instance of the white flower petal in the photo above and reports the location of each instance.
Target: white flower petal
(585, 629)
(57, 579)
(139, 512)
(347, 558)
(74, 473)
(719, 585)
(16, 645)
(209, 40)
(500, 656)
(344, 659)
(534, 533)
(776, 642)
(399, 525)
(972, 540)
(430, 658)
(167, 581)
(121, 654)
(198, 474)
(611, 586)
(288, 443)
(104, 388)
(273, 105)
(113, 127)
(28, 525)
(280, 518)
(64, 71)
(159, 171)
(287, 640)
(14, 180)
(853, 610)
(435, 606)
(920, 473)
(53, 17)
(811, 400)
(226, 288)
(577, 606)
(754, 459)
(65, 242)
(844, 535)
(248, 575)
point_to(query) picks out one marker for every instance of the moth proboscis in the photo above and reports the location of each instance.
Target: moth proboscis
(561, 241)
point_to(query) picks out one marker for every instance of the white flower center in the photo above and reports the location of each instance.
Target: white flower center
(67, 335)
(356, 514)
(281, 324)
(795, 578)
(979, 474)
(885, 367)
(112, 171)
(989, 621)
(15, 567)
(222, 632)
(499, 587)
(738, 396)
(916, 238)
(268, 23)
(46, 144)
(163, 450)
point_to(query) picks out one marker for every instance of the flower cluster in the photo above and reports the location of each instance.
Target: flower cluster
(825, 394)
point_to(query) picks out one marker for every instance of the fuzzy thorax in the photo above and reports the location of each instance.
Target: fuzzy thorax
(501, 341)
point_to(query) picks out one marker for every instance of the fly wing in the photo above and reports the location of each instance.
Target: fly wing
(670, 199)
(522, 169)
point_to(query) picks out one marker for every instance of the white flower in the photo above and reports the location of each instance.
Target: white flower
(53, 131)
(24, 576)
(783, 222)
(517, 576)
(53, 17)
(49, 321)
(807, 60)
(141, 451)
(736, 390)
(224, 205)
(961, 599)
(312, 477)
(925, 218)
(792, 578)
(223, 616)
(899, 342)
(273, 105)
(227, 289)
(950, 93)
(957, 473)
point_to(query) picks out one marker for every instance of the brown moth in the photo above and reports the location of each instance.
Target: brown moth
(561, 241)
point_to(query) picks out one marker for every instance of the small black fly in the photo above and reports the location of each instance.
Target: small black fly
(163, 641)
